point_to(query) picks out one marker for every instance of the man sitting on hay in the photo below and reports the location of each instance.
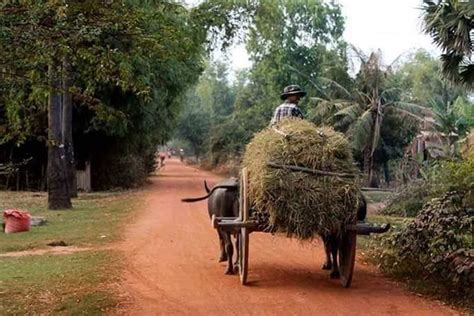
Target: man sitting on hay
(292, 95)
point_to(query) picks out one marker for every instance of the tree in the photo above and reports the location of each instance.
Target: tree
(366, 111)
(450, 23)
(288, 42)
(129, 62)
(58, 184)
(39, 35)
(67, 122)
(454, 119)
(194, 124)
(294, 42)
(420, 77)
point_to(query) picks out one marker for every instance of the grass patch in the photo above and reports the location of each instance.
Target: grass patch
(376, 196)
(73, 284)
(363, 242)
(93, 221)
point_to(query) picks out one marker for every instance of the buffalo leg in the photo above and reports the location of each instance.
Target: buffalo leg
(327, 249)
(223, 255)
(333, 242)
(229, 249)
(237, 257)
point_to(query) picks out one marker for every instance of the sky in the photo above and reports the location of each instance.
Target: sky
(394, 26)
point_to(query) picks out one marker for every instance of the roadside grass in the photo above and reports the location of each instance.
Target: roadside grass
(74, 284)
(363, 242)
(77, 283)
(92, 222)
(376, 196)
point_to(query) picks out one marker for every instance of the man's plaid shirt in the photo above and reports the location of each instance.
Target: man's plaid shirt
(285, 109)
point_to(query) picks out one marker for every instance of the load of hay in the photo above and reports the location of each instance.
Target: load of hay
(301, 204)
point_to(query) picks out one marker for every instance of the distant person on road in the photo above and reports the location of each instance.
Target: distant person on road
(162, 159)
(181, 154)
(289, 108)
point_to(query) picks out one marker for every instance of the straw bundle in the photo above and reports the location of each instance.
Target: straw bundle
(301, 204)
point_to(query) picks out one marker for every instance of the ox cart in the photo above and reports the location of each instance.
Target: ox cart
(243, 225)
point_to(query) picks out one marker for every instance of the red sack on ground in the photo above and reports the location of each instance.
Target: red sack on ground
(16, 221)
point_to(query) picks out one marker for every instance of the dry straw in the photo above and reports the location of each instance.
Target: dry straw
(301, 204)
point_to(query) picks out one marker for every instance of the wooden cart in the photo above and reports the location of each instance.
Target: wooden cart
(243, 225)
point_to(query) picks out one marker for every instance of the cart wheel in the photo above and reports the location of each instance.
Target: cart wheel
(347, 254)
(244, 231)
(243, 254)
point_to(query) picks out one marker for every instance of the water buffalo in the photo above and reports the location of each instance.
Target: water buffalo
(223, 201)
(331, 242)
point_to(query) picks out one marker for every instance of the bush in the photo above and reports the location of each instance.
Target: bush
(227, 141)
(409, 199)
(440, 178)
(436, 245)
(120, 168)
(454, 176)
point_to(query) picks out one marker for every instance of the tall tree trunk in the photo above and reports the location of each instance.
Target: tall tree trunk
(386, 172)
(376, 134)
(58, 189)
(369, 167)
(67, 129)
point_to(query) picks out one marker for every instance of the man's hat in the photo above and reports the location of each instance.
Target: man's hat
(292, 90)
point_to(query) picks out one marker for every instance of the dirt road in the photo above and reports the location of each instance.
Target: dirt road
(171, 252)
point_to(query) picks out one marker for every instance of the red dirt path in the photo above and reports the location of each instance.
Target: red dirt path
(171, 253)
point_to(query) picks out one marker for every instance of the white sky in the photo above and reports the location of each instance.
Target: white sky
(394, 26)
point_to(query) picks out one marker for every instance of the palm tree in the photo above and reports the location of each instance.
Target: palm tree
(451, 25)
(363, 110)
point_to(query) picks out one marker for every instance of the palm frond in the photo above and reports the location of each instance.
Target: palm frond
(338, 86)
(413, 108)
(450, 24)
(314, 84)
(405, 113)
(359, 53)
(347, 115)
(322, 112)
(391, 93)
(360, 132)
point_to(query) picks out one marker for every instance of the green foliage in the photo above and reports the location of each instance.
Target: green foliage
(227, 141)
(420, 76)
(436, 245)
(288, 42)
(372, 114)
(294, 42)
(440, 178)
(408, 200)
(454, 176)
(194, 124)
(450, 24)
(131, 62)
(454, 119)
